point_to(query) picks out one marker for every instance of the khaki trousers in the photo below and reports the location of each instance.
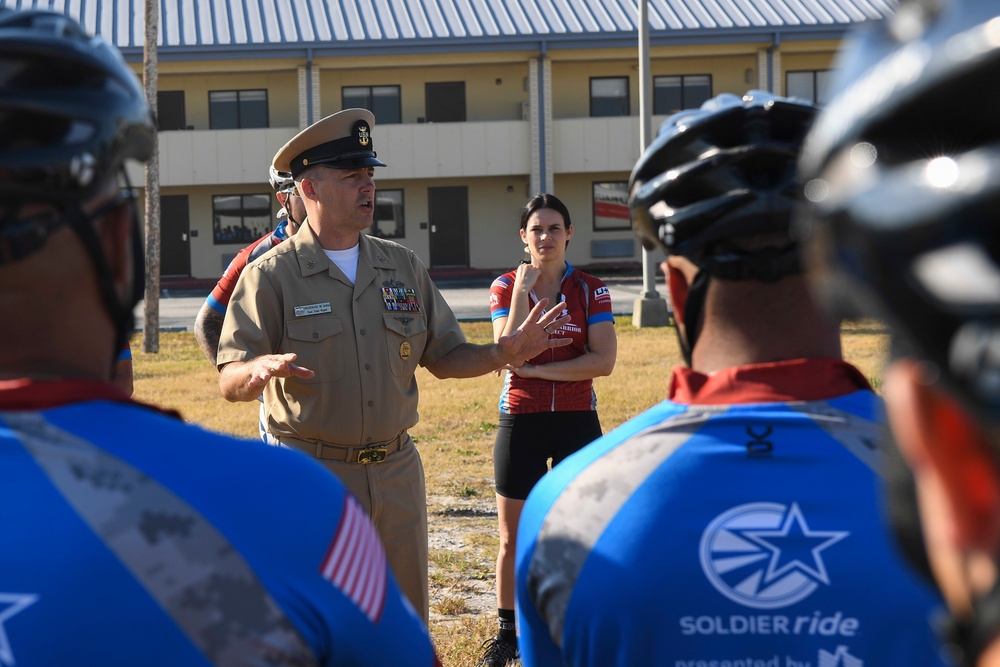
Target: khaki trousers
(394, 495)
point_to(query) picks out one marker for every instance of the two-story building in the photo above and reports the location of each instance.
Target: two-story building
(479, 104)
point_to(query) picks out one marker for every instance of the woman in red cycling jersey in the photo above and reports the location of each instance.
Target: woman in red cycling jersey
(548, 408)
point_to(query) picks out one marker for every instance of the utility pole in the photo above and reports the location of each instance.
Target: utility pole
(151, 320)
(649, 310)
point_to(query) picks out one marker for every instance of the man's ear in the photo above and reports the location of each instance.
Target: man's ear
(307, 188)
(950, 455)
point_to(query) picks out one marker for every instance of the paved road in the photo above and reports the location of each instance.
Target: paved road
(177, 311)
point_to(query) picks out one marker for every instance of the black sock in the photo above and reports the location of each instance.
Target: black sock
(507, 629)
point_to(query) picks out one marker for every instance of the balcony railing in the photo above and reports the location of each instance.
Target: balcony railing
(412, 151)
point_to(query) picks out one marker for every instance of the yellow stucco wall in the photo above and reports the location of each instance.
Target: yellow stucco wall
(282, 93)
(493, 91)
(496, 89)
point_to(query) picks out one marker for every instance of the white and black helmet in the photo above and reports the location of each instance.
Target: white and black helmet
(281, 181)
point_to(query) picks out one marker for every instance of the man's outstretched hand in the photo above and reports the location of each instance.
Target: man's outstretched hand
(533, 335)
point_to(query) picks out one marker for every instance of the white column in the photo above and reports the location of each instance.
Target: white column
(534, 119)
(303, 98)
(316, 107)
(548, 178)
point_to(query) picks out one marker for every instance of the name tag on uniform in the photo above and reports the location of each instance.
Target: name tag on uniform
(313, 309)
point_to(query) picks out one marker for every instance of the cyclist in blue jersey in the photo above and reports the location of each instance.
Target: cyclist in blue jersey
(211, 315)
(737, 522)
(128, 537)
(208, 322)
(902, 174)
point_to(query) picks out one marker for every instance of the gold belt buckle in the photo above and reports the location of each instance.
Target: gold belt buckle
(372, 455)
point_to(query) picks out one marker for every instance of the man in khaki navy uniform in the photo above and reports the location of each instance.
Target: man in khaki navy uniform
(339, 320)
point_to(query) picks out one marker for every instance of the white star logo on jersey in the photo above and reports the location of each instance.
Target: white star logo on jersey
(765, 555)
(10, 605)
(795, 546)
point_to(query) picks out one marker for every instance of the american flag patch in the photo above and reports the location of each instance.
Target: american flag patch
(355, 562)
(602, 294)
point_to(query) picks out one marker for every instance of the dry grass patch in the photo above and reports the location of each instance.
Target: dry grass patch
(455, 436)
(179, 377)
(866, 346)
(454, 605)
(459, 641)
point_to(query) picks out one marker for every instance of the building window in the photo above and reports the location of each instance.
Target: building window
(383, 101)
(445, 102)
(611, 206)
(810, 85)
(170, 110)
(674, 93)
(609, 96)
(240, 218)
(389, 222)
(237, 109)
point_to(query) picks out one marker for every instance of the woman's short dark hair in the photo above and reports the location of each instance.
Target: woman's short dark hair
(545, 200)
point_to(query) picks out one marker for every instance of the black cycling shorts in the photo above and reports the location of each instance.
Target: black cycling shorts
(526, 442)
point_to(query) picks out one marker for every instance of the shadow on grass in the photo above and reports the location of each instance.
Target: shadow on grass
(465, 511)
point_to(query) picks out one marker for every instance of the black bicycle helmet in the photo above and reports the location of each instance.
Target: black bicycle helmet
(902, 222)
(718, 186)
(71, 111)
(721, 172)
(71, 114)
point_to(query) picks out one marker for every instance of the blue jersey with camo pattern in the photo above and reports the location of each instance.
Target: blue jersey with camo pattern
(737, 525)
(131, 538)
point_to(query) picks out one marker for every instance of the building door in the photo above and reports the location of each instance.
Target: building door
(448, 210)
(175, 233)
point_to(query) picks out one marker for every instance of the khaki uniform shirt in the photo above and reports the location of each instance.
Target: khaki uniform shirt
(364, 341)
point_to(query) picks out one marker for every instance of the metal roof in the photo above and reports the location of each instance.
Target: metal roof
(194, 25)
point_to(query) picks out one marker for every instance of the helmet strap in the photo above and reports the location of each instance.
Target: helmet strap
(119, 310)
(965, 639)
(694, 307)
